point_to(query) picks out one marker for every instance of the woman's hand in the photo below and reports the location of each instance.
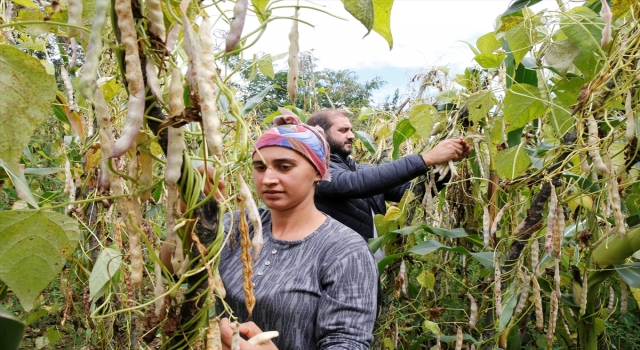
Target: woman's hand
(248, 329)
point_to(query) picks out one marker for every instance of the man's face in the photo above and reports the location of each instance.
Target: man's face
(340, 136)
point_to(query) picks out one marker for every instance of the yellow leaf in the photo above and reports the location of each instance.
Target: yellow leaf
(382, 20)
(636, 294)
(93, 158)
(393, 214)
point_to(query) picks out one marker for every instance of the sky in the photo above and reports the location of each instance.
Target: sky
(426, 33)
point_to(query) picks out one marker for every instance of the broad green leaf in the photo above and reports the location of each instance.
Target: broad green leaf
(431, 246)
(384, 226)
(260, 6)
(522, 105)
(488, 43)
(382, 20)
(489, 60)
(458, 232)
(599, 326)
(519, 39)
(473, 49)
(560, 55)
(34, 246)
(560, 119)
(507, 310)
(265, 65)
(25, 102)
(447, 96)
(11, 330)
(567, 90)
(511, 162)
(403, 131)
(20, 183)
(367, 140)
(479, 104)
(255, 101)
(589, 63)
(385, 261)
(26, 3)
(362, 10)
(422, 118)
(431, 327)
(53, 335)
(584, 28)
(393, 214)
(630, 273)
(106, 266)
(519, 5)
(427, 279)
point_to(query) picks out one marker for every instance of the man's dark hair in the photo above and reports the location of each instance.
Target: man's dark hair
(324, 118)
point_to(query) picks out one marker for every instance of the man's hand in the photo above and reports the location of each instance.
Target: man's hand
(447, 150)
(248, 329)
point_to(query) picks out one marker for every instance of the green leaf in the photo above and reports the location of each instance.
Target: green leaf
(382, 20)
(431, 246)
(265, 65)
(11, 330)
(589, 63)
(367, 140)
(21, 185)
(34, 246)
(561, 119)
(255, 101)
(479, 104)
(519, 5)
(260, 6)
(362, 10)
(488, 43)
(384, 226)
(511, 162)
(522, 104)
(422, 118)
(630, 273)
(599, 326)
(403, 131)
(560, 55)
(427, 280)
(567, 90)
(519, 39)
(442, 232)
(490, 60)
(431, 327)
(25, 102)
(105, 268)
(447, 96)
(507, 311)
(26, 3)
(584, 28)
(473, 49)
(393, 214)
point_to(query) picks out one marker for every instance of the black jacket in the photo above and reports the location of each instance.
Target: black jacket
(357, 190)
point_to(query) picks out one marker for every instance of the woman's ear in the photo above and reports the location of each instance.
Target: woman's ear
(318, 177)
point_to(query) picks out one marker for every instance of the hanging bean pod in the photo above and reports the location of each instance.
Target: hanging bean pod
(486, 227)
(551, 221)
(236, 25)
(159, 289)
(213, 335)
(69, 87)
(524, 296)
(74, 17)
(584, 293)
(87, 85)
(459, 339)
(594, 140)
(206, 90)
(473, 311)
(606, 30)
(152, 80)
(294, 49)
(156, 18)
(631, 119)
(498, 286)
(624, 297)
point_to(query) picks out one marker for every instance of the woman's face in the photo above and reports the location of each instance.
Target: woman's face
(285, 178)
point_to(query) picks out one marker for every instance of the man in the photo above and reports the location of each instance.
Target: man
(357, 192)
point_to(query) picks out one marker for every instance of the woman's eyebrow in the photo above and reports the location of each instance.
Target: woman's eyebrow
(277, 160)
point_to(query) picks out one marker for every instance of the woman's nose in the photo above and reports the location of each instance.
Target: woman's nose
(269, 177)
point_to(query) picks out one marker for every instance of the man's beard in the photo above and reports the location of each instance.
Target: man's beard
(338, 148)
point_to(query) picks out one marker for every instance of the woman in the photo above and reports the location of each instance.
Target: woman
(315, 279)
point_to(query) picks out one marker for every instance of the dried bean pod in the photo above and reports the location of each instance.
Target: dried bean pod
(69, 87)
(624, 297)
(253, 215)
(74, 53)
(74, 17)
(294, 49)
(473, 311)
(459, 339)
(551, 221)
(87, 84)
(559, 231)
(403, 277)
(175, 153)
(616, 206)
(146, 174)
(524, 296)
(68, 178)
(176, 94)
(206, 90)
(262, 337)
(584, 164)
(235, 338)
(612, 301)
(519, 228)
(213, 335)
(553, 317)
(592, 128)
(155, 17)
(135, 82)
(135, 245)
(584, 293)
(535, 256)
(537, 299)
(222, 292)
(494, 225)
(486, 226)
(631, 119)
(172, 38)
(191, 48)
(159, 289)
(607, 16)
(236, 25)
(247, 269)
(152, 80)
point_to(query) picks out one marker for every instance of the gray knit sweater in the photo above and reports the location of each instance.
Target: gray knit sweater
(319, 292)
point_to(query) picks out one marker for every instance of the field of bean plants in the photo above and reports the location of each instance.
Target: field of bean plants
(108, 108)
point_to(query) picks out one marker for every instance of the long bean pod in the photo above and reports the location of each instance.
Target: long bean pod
(156, 18)
(206, 89)
(237, 24)
(87, 85)
(74, 17)
(294, 49)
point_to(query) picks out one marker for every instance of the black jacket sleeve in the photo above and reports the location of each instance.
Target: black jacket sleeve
(371, 181)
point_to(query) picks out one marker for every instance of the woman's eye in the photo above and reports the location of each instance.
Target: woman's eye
(285, 167)
(259, 168)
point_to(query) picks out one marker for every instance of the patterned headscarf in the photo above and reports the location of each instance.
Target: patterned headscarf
(307, 140)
